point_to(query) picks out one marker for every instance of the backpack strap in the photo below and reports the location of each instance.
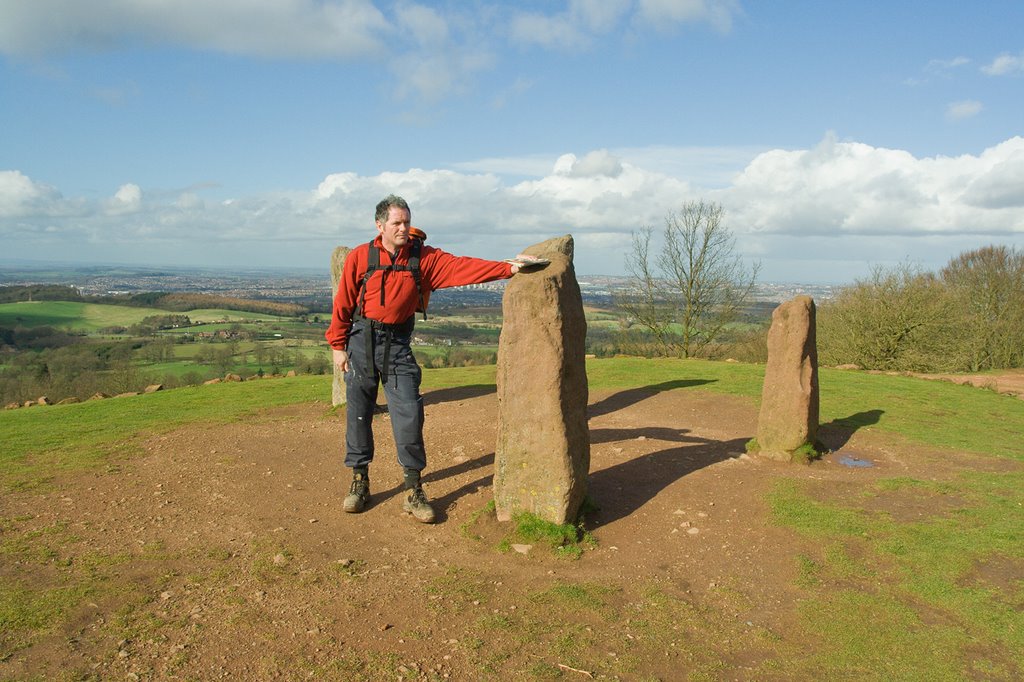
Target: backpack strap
(414, 266)
(372, 265)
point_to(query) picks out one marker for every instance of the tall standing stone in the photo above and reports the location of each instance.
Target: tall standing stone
(542, 457)
(337, 265)
(789, 399)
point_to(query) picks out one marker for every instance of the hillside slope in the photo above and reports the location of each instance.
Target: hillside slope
(219, 549)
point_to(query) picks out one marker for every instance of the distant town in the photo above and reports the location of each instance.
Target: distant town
(312, 288)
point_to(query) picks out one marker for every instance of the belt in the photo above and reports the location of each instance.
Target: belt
(389, 330)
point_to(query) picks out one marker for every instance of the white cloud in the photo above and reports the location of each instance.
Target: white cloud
(940, 65)
(1005, 64)
(708, 167)
(533, 165)
(557, 32)
(573, 29)
(596, 164)
(938, 68)
(584, 21)
(429, 76)
(663, 13)
(127, 199)
(998, 182)
(848, 188)
(837, 202)
(431, 51)
(21, 196)
(959, 111)
(422, 25)
(298, 28)
(599, 16)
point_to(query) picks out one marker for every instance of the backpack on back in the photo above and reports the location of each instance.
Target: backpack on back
(417, 237)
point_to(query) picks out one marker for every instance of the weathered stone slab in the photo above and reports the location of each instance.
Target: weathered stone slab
(789, 400)
(542, 457)
(337, 265)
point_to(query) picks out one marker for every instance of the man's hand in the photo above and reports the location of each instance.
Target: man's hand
(340, 359)
(515, 268)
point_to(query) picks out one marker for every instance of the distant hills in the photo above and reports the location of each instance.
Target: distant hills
(307, 287)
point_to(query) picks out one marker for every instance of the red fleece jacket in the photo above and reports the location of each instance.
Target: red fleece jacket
(438, 270)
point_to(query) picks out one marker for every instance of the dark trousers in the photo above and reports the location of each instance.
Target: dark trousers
(401, 389)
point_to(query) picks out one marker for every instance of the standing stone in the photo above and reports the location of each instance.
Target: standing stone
(337, 265)
(542, 456)
(789, 400)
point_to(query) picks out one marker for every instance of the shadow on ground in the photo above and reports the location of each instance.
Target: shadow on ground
(621, 489)
(837, 433)
(446, 395)
(445, 502)
(618, 490)
(631, 396)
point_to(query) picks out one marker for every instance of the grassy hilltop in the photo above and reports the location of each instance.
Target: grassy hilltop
(915, 571)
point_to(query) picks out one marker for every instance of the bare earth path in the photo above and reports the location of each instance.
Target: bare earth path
(1010, 382)
(222, 552)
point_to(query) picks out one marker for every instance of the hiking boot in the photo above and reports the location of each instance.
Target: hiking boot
(358, 495)
(416, 504)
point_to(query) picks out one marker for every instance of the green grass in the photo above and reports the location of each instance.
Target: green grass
(575, 596)
(36, 441)
(920, 603)
(87, 317)
(212, 315)
(90, 317)
(936, 413)
(24, 608)
(932, 412)
(883, 596)
(565, 540)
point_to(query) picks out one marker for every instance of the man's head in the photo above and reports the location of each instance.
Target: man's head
(393, 219)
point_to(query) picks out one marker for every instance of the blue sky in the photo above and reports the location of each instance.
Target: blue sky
(837, 135)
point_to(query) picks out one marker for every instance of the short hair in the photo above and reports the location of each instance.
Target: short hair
(389, 202)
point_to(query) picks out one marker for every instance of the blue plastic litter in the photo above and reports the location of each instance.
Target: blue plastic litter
(854, 462)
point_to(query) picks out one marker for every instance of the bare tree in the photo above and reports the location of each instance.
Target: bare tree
(899, 318)
(694, 286)
(988, 284)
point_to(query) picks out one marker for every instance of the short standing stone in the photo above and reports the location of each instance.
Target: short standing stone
(789, 400)
(337, 265)
(543, 452)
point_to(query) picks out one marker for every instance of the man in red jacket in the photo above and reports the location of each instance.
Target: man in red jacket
(371, 327)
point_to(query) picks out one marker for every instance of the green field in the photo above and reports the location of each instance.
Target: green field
(942, 414)
(90, 317)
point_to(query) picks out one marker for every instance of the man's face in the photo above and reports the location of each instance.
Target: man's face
(394, 232)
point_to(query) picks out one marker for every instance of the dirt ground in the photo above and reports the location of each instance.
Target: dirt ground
(1010, 382)
(222, 552)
